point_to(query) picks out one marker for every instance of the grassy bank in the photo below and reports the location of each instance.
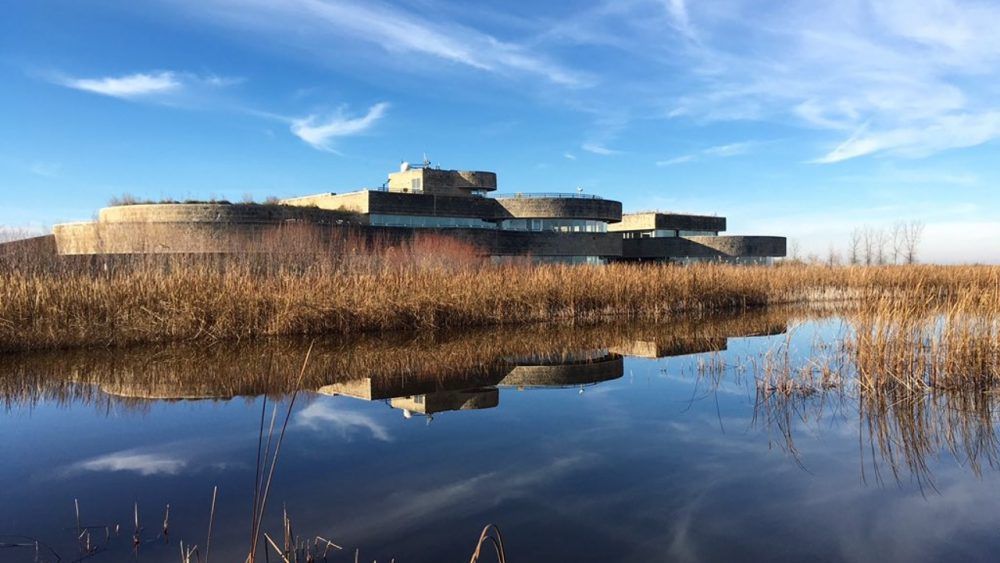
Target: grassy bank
(429, 282)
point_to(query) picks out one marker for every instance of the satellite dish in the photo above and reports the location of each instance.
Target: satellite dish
(404, 166)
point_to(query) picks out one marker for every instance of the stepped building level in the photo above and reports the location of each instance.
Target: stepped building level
(547, 227)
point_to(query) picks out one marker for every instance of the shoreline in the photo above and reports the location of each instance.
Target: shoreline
(200, 299)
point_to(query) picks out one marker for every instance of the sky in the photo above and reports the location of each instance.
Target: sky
(799, 118)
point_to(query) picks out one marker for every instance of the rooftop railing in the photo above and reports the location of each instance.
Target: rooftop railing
(546, 195)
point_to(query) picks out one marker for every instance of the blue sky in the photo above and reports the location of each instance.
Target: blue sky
(806, 119)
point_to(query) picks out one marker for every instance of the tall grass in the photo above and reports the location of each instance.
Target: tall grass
(296, 283)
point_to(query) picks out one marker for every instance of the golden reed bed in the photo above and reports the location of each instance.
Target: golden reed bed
(430, 282)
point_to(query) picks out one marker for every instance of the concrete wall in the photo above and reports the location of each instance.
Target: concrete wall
(218, 213)
(443, 182)
(753, 246)
(669, 221)
(158, 237)
(703, 247)
(433, 205)
(44, 245)
(566, 374)
(390, 203)
(561, 208)
(185, 228)
(519, 243)
(204, 237)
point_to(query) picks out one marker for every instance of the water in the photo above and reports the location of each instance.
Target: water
(582, 444)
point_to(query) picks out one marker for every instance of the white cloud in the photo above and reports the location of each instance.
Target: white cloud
(597, 148)
(677, 160)
(732, 149)
(143, 464)
(720, 151)
(45, 169)
(128, 86)
(679, 14)
(320, 131)
(569, 156)
(947, 132)
(325, 412)
(914, 79)
(322, 25)
(155, 86)
(454, 494)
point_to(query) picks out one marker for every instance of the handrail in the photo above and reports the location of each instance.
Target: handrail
(545, 195)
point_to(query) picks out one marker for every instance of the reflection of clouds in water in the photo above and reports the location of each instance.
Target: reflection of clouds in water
(144, 464)
(941, 518)
(316, 414)
(409, 508)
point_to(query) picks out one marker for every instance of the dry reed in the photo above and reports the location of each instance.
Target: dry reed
(352, 284)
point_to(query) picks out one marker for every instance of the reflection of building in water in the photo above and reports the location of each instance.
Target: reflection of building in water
(671, 347)
(588, 367)
(428, 396)
(382, 368)
(170, 391)
(710, 337)
(460, 400)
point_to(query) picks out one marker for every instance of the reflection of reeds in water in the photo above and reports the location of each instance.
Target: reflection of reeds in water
(905, 428)
(454, 360)
(923, 375)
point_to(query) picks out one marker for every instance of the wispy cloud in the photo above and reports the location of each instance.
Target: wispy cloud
(325, 412)
(320, 131)
(679, 15)
(946, 132)
(155, 85)
(322, 26)
(732, 149)
(45, 169)
(454, 493)
(142, 463)
(569, 156)
(599, 149)
(127, 86)
(720, 151)
(677, 160)
(901, 79)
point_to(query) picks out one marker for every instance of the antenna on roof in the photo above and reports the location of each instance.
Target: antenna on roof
(427, 163)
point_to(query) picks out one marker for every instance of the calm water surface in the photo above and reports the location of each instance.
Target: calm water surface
(587, 444)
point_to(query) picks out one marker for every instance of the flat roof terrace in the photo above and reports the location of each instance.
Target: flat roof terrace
(505, 206)
(654, 220)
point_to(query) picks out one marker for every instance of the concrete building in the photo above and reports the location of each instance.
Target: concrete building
(548, 227)
(675, 237)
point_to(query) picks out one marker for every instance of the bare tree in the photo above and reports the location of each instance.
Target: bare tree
(881, 240)
(913, 233)
(869, 245)
(832, 257)
(793, 250)
(854, 248)
(897, 241)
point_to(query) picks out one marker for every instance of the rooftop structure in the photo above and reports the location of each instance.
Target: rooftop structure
(427, 180)
(560, 227)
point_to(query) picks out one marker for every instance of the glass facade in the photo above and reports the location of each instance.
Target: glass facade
(593, 260)
(666, 233)
(428, 222)
(555, 225)
(735, 260)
